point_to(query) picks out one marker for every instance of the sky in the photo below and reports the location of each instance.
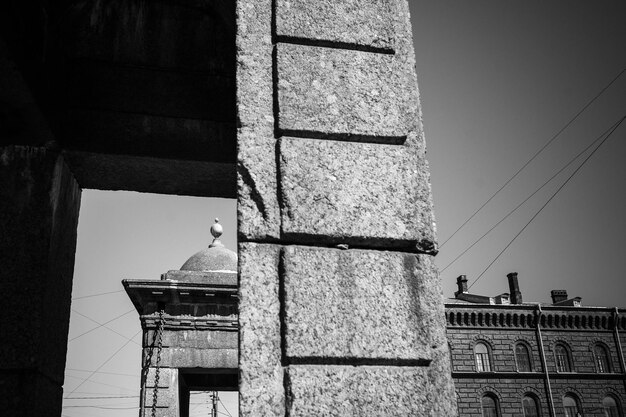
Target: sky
(497, 80)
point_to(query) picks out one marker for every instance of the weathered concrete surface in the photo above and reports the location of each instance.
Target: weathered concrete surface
(198, 339)
(360, 304)
(257, 208)
(21, 120)
(152, 175)
(168, 401)
(317, 390)
(168, 377)
(261, 391)
(39, 203)
(205, 277)
(196, 358)
(115, 132)
(336, 91)
(358, 193)
(367, 23)
(29, 394)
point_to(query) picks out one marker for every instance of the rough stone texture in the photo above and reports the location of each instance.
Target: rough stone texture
(317, 390)
(365, 194)
(334, 91)
(257, 206)
(366, 23)
(261, 390)
(360, 304)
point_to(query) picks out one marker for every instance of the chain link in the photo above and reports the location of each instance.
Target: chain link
(159, 337)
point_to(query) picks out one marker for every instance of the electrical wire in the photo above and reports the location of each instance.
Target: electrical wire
(549, 200)
(533, 157)
(96, 295)
(105, 397)
(105, 326)
(99, 325)
(101, 383)
(571, 161)
(225, 409)
(104, 363)
(101, 407)
(101, 372)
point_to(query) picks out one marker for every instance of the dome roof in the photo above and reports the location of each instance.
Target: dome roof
(215, 258)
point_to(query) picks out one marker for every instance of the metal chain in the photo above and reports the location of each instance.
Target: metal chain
(159, 338)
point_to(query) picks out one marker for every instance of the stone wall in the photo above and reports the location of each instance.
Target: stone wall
(340, 302)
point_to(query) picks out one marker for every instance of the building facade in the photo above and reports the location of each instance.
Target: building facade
(511, 358)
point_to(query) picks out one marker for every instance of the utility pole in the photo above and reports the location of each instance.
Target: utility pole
(214, 400)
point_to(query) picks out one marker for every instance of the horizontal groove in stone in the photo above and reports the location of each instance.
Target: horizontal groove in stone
(333, 44)
(342, 137)
(311, 360)
(313, 244)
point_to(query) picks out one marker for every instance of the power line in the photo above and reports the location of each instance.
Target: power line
(549, 200)
(530, 196)
(96, 295)
(100, 383)
(101, 407)
(104, 363)
(102, 325)
(99, 325)
(533, 157)
(101, 397)
(102, 372)
(225, 409)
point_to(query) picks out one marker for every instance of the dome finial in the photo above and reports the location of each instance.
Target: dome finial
(216, 231)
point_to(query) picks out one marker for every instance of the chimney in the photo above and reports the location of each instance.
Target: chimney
(461, 282)
(516, 294)
(558, 296)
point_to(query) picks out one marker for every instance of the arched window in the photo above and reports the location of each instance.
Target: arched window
(571, 406)
(601, 357)
(490, 406)
(522, 358)
(563, 360)
(531, 406)
(481, 352)
(610, 407)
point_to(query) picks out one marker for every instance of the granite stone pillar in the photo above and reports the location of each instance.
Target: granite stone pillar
(39, 203)
(341, 310)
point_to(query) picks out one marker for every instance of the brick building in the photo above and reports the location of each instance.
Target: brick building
(512, 358)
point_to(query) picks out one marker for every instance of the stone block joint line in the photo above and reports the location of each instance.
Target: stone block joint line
(333, 44)
(356, 361)
(344, 137)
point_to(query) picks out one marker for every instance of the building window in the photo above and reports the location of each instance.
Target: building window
(481, 351)
(563, 361)
(601, 357)
(490, 406)
(610, 407)
(571, 406)
(531, 406)
(522, 358)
